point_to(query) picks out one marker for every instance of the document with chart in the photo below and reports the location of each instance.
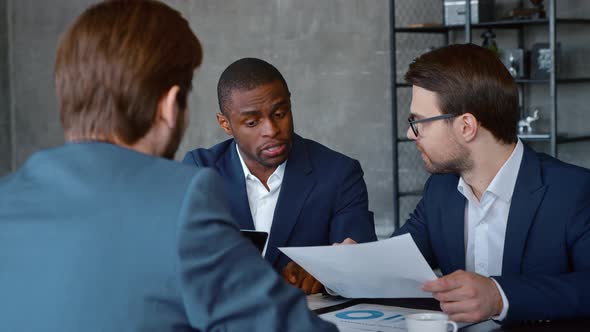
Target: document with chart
(392, 268)
(372, 317)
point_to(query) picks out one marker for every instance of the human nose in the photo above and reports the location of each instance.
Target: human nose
(270, 128)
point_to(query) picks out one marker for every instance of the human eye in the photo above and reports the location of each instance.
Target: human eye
(250, 123)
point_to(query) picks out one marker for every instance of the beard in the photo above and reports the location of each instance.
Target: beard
(175, 138)
(457, 160)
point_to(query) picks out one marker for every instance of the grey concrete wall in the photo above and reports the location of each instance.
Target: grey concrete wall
(333, 54)
(5, 132)
(36, 27)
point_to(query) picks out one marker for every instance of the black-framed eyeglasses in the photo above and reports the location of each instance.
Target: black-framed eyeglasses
(434, 118)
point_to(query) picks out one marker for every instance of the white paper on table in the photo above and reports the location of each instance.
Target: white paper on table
(372, 317)
(392, 268)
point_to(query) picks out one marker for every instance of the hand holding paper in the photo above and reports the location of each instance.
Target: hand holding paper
(392, 268)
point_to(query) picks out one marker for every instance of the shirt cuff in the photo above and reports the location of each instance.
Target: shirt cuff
(504, 311)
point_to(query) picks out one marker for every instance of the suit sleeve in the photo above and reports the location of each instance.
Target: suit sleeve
(417, 227)
(555, 297)
(352, 217)
(225, 283)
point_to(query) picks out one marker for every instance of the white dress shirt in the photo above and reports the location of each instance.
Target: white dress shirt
(486, 220)
(262, 201)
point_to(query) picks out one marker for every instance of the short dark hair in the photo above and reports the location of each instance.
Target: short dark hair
(470, 79)
(114, 64)
(245, 74)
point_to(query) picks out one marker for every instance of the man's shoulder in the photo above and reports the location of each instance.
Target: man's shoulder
(204, 157)
(555, 171)
(320, 153)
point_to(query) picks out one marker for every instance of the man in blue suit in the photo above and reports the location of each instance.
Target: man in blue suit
(102, 234)
(299, 191)
(509, 227)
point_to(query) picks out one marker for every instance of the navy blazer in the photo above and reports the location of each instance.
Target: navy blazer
(546, 260)
(96, 237)
(323, 197)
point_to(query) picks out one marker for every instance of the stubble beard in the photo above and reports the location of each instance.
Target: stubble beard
(458, 161)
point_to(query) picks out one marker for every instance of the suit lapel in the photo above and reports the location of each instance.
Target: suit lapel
(453, 220)
(528, 194)
(295, 188)
(230, 168)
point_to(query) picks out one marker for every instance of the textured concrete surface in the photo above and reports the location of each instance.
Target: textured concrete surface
(334, 55)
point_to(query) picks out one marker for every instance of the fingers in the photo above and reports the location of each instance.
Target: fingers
(299, 278)
(290, 273)
(310, 285)
(446, 283)
(477, 297)
(457, 294)
(317, 287)
(346, 241)
(307, 284)
(464, 311)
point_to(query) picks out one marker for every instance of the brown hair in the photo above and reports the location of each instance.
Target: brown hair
(115, 63)
(470, 79)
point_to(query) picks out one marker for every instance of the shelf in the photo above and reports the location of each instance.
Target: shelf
(531, 81)
(573, 80)
(573, 139)
(535, 137)
(410, 193)
(502, 24)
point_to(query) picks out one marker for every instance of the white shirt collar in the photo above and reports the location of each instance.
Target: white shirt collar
(278, 173)
(504, 182)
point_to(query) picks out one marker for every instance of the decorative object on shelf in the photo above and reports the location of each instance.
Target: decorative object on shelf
(541, 61)
(489, 42)
(525, 125)
(540, 8)
(513, 59)
(529, 13)
(481, 11)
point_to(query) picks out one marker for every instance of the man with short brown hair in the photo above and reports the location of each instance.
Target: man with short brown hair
(509, 227)
(102, 234)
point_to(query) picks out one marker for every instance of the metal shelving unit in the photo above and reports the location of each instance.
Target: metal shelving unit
(519, 26)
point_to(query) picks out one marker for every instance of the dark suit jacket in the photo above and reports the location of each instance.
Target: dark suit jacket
(323, 197)
(95, 237)
(546, 262)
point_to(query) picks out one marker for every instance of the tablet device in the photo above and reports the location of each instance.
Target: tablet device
(258, 238)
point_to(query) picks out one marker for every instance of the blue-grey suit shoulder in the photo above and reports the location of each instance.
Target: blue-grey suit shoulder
(323, 197)
(95, 237)
(545, 266)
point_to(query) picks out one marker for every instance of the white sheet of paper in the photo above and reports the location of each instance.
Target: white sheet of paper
(392, 268)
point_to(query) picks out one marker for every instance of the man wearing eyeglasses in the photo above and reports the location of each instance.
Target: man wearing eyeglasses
(508, 227)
